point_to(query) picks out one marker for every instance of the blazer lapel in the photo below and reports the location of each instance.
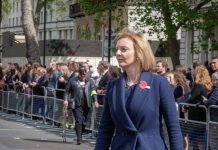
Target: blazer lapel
(119, 104)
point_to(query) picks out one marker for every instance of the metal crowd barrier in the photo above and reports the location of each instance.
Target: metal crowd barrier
(49, 108)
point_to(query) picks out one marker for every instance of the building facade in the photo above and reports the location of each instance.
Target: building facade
(59, 25)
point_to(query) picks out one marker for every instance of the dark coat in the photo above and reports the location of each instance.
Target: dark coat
(103, 81)
(213, 100)
(39, 89)
(139, 128)
(73, 90)
(197, 92)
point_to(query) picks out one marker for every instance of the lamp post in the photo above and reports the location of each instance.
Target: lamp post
(44, 42)
(109, 34)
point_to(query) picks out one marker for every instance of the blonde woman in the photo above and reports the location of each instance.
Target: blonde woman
(136, 101)
(171, 79)
(201, 87)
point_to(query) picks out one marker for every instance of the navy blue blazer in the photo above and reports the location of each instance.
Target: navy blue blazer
(140, 129)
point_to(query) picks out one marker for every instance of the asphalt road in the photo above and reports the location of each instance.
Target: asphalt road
(20, 134)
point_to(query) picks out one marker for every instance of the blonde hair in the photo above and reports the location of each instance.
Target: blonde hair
(64, 70)
(202, 76)
(41, 70)
(181, 80)
(171, 76)
(141, 46)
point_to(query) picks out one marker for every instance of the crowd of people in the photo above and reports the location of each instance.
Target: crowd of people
(196, 85)
(78, 85)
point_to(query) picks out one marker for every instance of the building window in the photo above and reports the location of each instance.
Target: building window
(13, 8)
(65, 34)
(9, 22)
(50, 35)
(59, 34)
(1, 39)
(17, 6)
(40, 36)
(21, 21)
(51, 15)
(41, 17)
(16, 21)
(13, 22)
(71, 34)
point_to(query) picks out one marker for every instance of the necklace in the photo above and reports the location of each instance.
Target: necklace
(131, 82)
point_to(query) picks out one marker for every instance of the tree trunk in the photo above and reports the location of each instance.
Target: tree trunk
(32, 45)
(171, 31)
(36, 17)
(173, 50)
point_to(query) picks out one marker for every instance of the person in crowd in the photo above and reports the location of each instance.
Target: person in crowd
(187, 73)
(213, 100)
(87, 68)
(114, 72)
(62, 81)
(34, 73)
(182, 89)
(73, 69)
(38, 86)
(9, 77)
(201, 87)
(181, 94)
(161, 67)
(25, 83)
(171, 79)
(193, 67)
(136, 102)
(214, 64)
(79, 89)
(213, 97)
(52, 79)
(2, 81)
(103, 67)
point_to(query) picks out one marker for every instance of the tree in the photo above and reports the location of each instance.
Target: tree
(100, 9)
(5, 7)
(165, 17)
(32, 45)
(40, 4)
(31, 21)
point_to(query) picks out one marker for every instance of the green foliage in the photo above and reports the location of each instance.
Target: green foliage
(6, 7)
(91, 7)
(165, 17)
(85, 34)
(62, 5)
(210, 20)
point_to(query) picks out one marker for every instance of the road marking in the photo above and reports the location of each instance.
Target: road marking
(16, 138)
(12, 129)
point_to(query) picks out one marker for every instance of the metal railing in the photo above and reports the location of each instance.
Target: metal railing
(201, 134)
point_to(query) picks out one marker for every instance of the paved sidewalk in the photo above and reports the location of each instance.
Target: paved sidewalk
(25, 134)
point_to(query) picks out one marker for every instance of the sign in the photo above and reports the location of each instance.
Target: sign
(106, 32)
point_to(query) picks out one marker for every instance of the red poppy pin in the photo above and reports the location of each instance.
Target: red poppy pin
(144, 85)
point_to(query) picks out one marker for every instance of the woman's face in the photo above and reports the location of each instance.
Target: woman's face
(125, 53)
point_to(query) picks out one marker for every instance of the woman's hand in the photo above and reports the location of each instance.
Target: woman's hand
(65, 103)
